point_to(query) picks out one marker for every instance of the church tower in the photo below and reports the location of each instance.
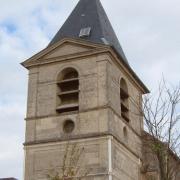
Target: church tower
(82, 90)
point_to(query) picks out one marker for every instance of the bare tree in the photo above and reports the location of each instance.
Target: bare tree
(71, 164)
(161, 113)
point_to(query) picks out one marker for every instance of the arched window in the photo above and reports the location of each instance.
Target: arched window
(124, 96)
(68, 91)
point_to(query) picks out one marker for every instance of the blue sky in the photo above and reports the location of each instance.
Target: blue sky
(148, 32)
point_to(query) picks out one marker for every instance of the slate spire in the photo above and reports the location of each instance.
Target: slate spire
(90, 18)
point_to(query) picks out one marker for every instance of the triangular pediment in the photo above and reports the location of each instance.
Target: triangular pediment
(65, 48)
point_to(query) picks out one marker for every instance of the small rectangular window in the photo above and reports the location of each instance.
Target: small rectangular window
(85, 32)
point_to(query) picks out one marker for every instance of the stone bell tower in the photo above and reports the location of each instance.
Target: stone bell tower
(82, 90)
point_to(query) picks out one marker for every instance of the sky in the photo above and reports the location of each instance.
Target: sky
(148, 30)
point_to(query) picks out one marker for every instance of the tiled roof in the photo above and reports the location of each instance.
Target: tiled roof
(90, 14)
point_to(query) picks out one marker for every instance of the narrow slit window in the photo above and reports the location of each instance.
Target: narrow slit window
(124, 98)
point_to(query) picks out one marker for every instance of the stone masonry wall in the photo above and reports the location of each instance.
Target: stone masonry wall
(99, 115)
(42, 160)
(125, 165)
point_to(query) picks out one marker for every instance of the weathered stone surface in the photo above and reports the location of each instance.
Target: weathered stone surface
(97, 121)
(41, 159)
(124, 163)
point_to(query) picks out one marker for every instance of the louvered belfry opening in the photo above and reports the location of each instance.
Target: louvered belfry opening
(68, 91)
(124, 100)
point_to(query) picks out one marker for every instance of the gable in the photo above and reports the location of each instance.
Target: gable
(72, 48)
(67, 49)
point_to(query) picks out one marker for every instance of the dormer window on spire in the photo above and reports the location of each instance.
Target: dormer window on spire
(89, 21)
(85, 32)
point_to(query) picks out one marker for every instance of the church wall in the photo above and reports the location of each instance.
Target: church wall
(150, 163)
(99, 114)
(93, 115)
(117, 124)
(32, 92)
(115, 73)
(30, 135)
(92, 78)
(43, 159)
(126, 166)
(130, 139)
(50, 128)
(96, 91)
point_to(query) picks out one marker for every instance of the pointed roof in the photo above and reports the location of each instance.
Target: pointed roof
(90, 14)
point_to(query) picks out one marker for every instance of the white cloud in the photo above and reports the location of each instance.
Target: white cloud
(11, 139)
(148, 31)
(11, 156)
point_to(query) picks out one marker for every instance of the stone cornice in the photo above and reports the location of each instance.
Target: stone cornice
(95, 49)
(80, 137)
(93, 109)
